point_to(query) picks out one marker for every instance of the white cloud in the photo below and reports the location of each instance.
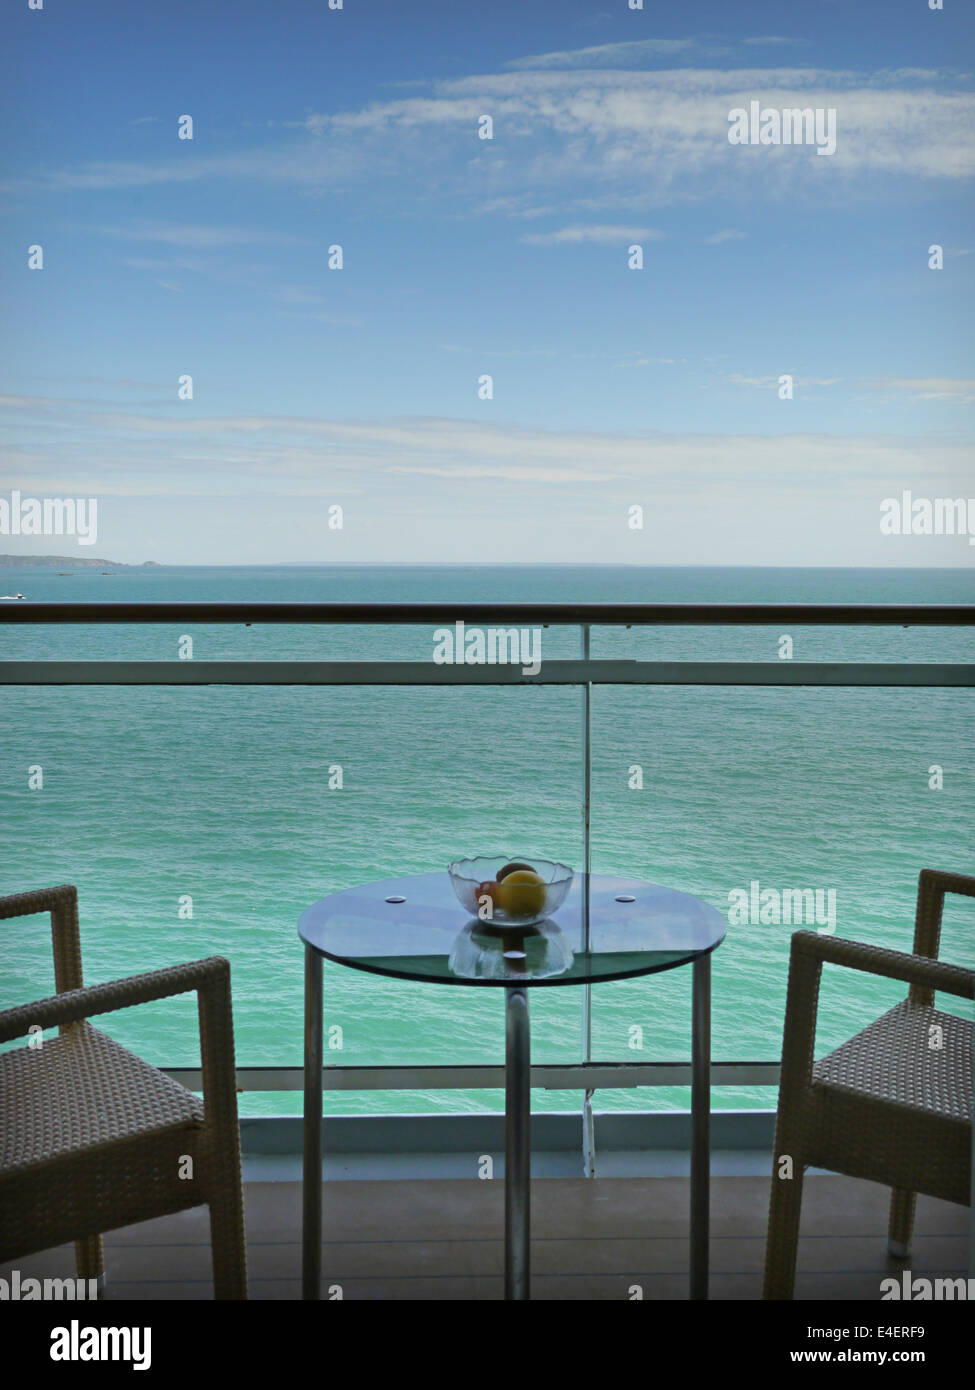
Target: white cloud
(198, 237)
(729, 234)
(928, 388)
(237, 452)
(579, 233)
(768, 382)
(667, 129)
(636, 52)
(513, 472)
(412, 485)
(613, 55)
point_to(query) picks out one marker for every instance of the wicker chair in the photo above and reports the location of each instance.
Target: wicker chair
(888, 1105)
(92, 1137)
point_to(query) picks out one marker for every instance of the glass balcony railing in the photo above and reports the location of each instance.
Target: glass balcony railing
(203, 772)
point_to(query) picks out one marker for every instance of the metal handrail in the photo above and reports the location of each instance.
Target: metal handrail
(556, 671)
(555, 614)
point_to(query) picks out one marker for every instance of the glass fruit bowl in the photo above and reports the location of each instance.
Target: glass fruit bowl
(505, 892)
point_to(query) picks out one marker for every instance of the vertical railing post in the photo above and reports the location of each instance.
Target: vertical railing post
(588, 1134)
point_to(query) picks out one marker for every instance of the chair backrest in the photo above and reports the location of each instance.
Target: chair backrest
(932, 885)
(62, 904)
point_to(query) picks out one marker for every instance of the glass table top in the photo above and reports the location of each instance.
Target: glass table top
(415, 929)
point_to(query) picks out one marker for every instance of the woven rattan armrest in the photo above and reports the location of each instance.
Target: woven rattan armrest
(62, 904)
(932, 885)
(76, 1004)
(211, 980)
(810, 951)
(880, 960)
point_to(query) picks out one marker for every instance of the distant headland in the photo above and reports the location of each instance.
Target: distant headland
(66, 562)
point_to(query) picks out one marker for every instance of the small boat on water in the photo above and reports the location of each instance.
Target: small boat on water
(12, 596)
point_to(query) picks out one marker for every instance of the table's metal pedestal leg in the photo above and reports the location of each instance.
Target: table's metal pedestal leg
(700, 1126)
(311, 1187)
(517, 1139)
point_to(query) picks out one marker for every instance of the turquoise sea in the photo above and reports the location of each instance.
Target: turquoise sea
(150, 795)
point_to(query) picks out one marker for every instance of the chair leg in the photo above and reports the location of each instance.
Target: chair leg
(89, 1259)
(901, 1227)
(227, 1243)
(785, 1208)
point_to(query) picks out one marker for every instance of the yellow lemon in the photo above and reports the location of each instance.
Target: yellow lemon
(522, 893)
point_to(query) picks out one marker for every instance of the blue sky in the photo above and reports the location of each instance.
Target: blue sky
(463, 257)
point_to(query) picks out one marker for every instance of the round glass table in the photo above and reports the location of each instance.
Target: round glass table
(414, 928)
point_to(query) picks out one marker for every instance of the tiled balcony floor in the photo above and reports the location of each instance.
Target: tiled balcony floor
(441, 1239)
